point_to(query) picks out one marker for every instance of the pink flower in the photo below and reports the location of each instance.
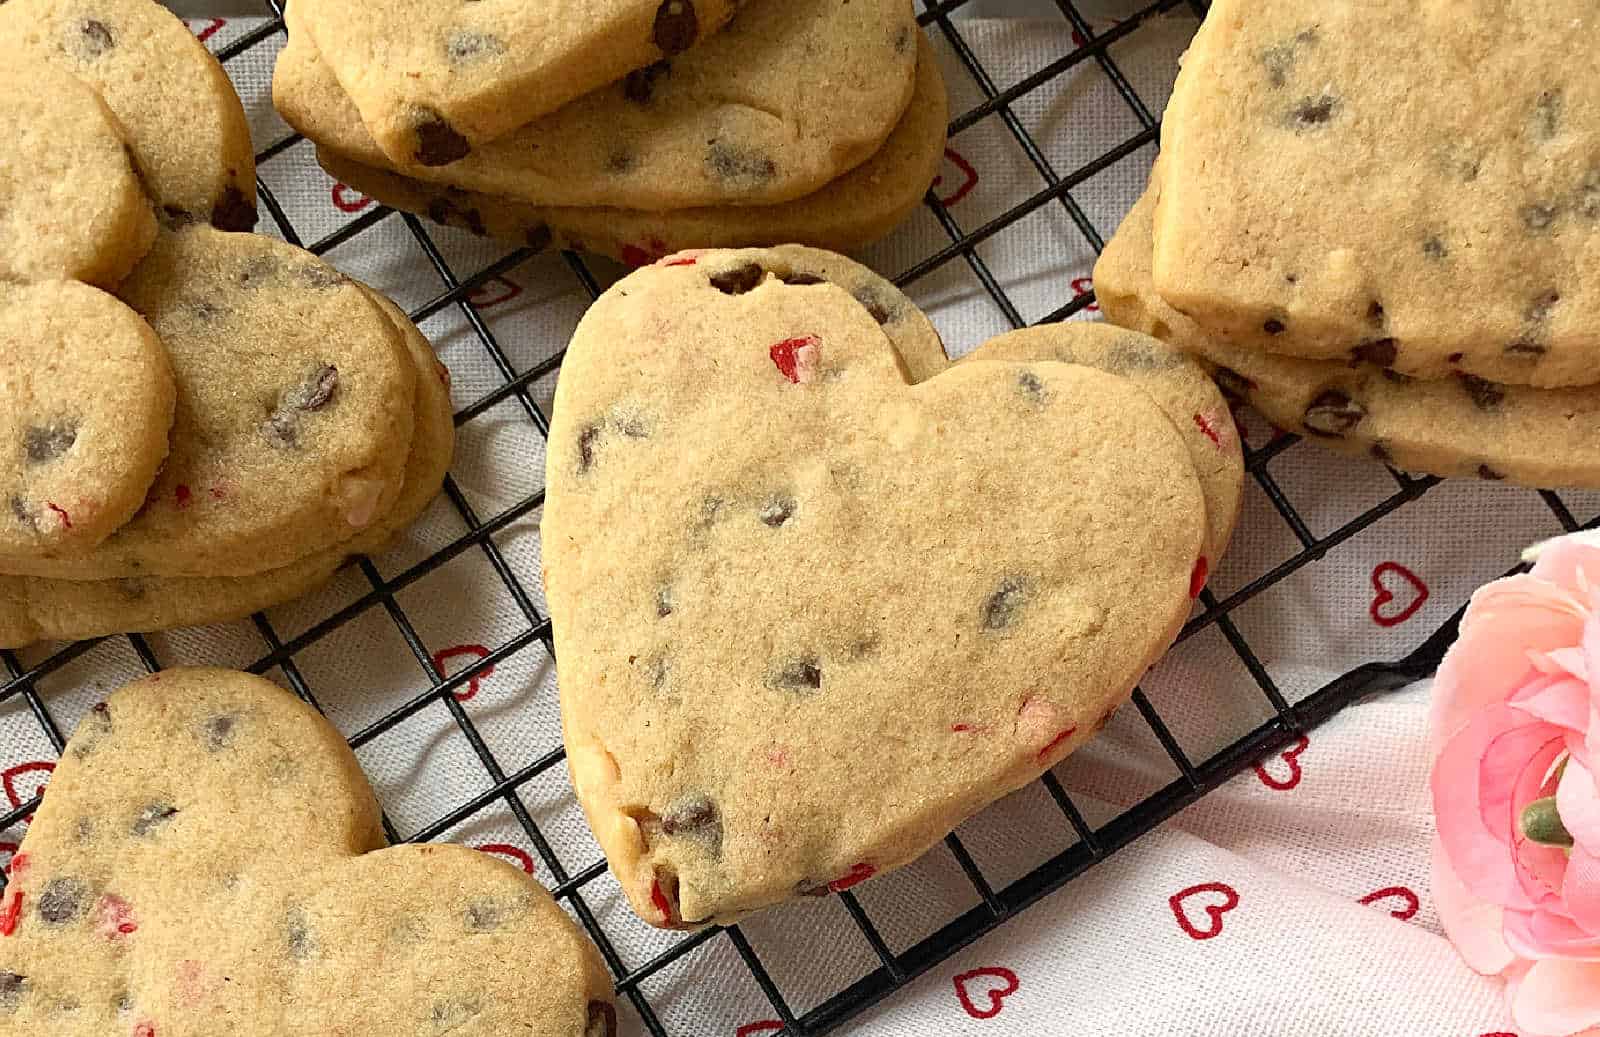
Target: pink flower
(1515, 741)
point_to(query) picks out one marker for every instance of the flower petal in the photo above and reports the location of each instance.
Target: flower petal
(1563, 701)
(1571, 563)
(1558, 996)
(1544, 934)
(1578, 803)
(1478, 858)
(1580, 889)
(1473, 925)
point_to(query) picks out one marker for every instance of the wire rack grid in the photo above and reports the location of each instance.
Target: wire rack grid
(993, 903)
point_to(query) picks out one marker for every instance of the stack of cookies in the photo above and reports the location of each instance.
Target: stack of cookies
(197, 423)
(641, 128)
(1400, 280)
(818, 594)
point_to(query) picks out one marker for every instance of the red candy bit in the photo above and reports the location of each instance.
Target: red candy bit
(66, 520)
(962, 729)
(1208, 429)
(144, 1028)
(1056, 741)
(115, 918)
(689, 261)
(19, 866)
(182, 495)
(11, 913)
(658, 900)
(1197, 578)
(797, 358)
(858, 874)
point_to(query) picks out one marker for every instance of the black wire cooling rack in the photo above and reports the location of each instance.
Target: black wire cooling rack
(894, 969)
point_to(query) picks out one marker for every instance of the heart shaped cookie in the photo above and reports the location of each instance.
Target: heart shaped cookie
(809, 616)
(207, 861)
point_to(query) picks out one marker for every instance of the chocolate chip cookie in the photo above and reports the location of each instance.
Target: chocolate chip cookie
(184, 123)
(71, 206)
(767, 689)
(88, 404)
(209, 850)
(794, 94)
(37, 609)
(1435, 219)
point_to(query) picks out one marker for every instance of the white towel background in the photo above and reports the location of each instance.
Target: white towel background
(1244, 915)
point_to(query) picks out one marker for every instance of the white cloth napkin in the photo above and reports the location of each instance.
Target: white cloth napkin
(1243, 916)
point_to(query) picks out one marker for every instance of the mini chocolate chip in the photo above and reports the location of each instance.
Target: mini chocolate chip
(21, 512)
(1375, 313)
(62, 900)
(676, 26)
(1291, 278)
(696, 817)
(801, 675)
(619, 161)
(1547, 114)
(47, 442)
(152, 817)
(1589, 195)
(1539, 309)
(319, 276)
(586, 441)
(602, 1021)
(451, 1013)
(14, 987)
(1381, 452)
(777, 511)
(738, 280)
(297, 937)
(1526, 349)
(205, 310)
(94, 38)
(1274, 326)
(1315, 111)
(902, 39)
(220, 731)
(1333, 413)
(438, 143)
(233, 211)
(1000, 611)
(313, 393)
(640, 84)
(1486, 395)
(486, 915)
(874, 305)
(1396, 377)
(1379, 352)
(1456, 358)
(1029, 385)
(463, 46)
(1233, 383)
(1489, 474)
(1434, 248)
(538, 237)
(733, 163)
(1538, 217)
(632, 426)
(801, 278)
(664, 603)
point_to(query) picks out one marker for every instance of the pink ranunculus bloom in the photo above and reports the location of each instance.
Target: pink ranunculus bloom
(1515, 741)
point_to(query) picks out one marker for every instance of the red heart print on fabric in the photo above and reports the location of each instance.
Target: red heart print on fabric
(1290, 756)
(1083, 286)
(209, 29)
(1407, 902)
(348, 199)
(991, 985)
(26, 780)
(1210, 899)
(1498, 1033)
(1395, 585)
(516, 855)
(493, 292)
(969, 178)
(764, 1026)
(472, 652)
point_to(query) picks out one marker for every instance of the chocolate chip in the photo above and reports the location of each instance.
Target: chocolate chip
(676, 26)
(1526, 349)
(297, 938)
(902, 39)
(1434, 248)
(1547, 114)
(1489, 474)
(233, 211)
(486, 915)
(1000, 611)
(1538, 217)
(438, 143)
(732, 163)
(1315, 111)
(1233, 383)
(47, 442)
(96, 725)
(640, 84)
(220, 730)
(664, 603)
(801, 278)
(1379, 352)
(1375, 313)
(62, 900)
(602, 1020)
(94, 38)
(152, 817)
(1539, 309)
(1274, 326)
(23, 514)
(1333, 413)
(1486, 395)
(1029, 385)
(586, 441)
(1456, 358)
(696, 817)
(13, 988)
(464, 46)
(800, 675)
(538, 237)
(777, 511)
(311, 394)
(738, 280)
